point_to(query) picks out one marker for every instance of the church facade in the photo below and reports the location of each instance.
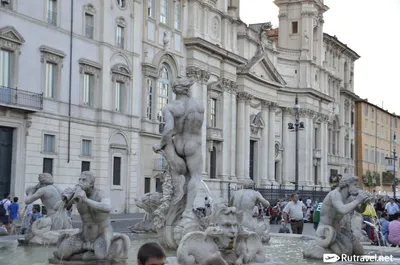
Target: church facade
(248, 77)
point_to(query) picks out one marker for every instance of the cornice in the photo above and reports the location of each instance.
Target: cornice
(309, 92)
(203, 45)
(349, 93)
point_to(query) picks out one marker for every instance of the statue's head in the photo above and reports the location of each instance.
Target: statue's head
(46, 179)
(224, 226)
(351, 183)
(248, 184)
(86, 180)
(182, 86)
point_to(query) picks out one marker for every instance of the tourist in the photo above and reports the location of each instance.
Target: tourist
(368, 215)
(379, 208)
(151, 254)
(294, 211)
(394, 230)
(384, 223)
(4, 204)
(392, 208)
(316, 217)
(13, 210)
(215, 261)
(36, 214)
(308, 202)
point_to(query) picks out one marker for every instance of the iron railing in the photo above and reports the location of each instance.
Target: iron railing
(15, 97)
(52, 17)
(275, 192)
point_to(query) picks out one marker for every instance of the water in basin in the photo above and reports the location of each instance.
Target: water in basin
(287, 250)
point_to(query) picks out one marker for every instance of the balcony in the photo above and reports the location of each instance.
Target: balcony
(17, 98)
(390, 168)
(214, 134)
(317, 154)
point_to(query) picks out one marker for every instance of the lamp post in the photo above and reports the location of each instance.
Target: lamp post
(394, 165)
(296, 127)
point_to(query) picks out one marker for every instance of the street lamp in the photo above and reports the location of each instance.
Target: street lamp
(296, 127)
(394, 158)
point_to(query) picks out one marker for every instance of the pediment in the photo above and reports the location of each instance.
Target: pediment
(11, 34)
(262, 67)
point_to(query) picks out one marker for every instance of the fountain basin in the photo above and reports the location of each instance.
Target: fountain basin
(285, 248)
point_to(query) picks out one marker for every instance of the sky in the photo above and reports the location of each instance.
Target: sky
(370, 29)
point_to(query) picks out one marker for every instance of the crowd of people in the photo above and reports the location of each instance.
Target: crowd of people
(11, 215)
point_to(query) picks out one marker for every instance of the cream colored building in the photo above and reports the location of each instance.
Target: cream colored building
(248, 78)
(97, 103)
(375, 129)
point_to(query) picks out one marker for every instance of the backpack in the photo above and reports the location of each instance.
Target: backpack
(3, 211)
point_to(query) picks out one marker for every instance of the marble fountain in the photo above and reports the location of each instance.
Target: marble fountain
(187, 234)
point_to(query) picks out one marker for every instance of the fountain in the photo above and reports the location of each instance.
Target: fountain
(244, 201)
(96, 242)
(45, 231)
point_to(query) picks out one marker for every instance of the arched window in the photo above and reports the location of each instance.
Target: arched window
(346, 74)
(163, 87)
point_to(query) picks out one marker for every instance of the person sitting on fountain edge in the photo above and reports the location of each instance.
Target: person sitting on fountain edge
(151, 254)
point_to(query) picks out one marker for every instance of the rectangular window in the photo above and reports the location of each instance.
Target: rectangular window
(366, 125)
(150, 10)
(352, 118)
(366, 154)
(158, 185)
(86, 147)
(48, 165)
(52, 12)
(51, 80)
(382, 158)
(120, 37)
(88, 80)
(366, 110)
(372, 128)
(89, 26)
(372, 113)
(119, 88)
(372, 155)
(163, 11)
(147, 182)
(85, 166)
(395, 123)
(177, 15)
(315, 138)
(377, 157)
(49, 143)
(295, 27)
(149, 98)
(117, 171)
(163, 89)
(213, 113)
(352, 151)
(5, 68)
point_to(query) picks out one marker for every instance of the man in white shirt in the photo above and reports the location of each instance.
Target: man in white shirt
(5, 203)
(391, 208)
(294, 210)
(308, 202)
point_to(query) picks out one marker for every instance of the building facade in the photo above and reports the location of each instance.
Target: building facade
(375, 130)
(69, 94)
(101, 86)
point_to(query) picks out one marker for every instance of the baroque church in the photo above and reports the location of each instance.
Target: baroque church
(249, 77)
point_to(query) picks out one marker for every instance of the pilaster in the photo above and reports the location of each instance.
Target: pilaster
(232, 142)
(243, 136)
(286, 113)
(264, 143)
(271, 142)
(247, 136)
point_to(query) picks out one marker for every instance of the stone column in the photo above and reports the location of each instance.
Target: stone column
(271, 142)
(240, 137)
(226, 130)
(286, 113)
(247, 136)
(324, 150)
(264, 143)
(233, 139)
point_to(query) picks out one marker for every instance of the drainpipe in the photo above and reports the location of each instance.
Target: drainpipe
(70, 81)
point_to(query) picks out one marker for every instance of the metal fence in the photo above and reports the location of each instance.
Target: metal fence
(275, 192)
(22, 98)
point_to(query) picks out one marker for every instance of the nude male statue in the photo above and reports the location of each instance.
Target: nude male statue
(50, 195)
(330, 234)
(183, 125)
(93, 242)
